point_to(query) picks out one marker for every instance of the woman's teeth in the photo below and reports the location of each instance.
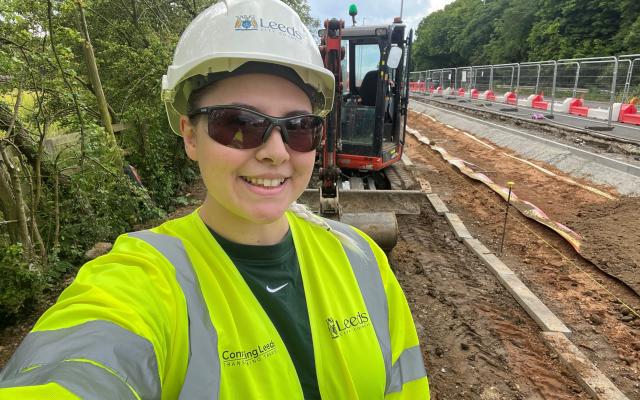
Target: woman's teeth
(264, 182)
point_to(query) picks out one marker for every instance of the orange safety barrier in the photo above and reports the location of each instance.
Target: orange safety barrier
(417, 86)
(576, 107)
(629, 115)
(489, 95)
(511, 98)
(539, 103)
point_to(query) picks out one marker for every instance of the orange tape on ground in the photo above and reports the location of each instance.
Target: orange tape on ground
(526, 208)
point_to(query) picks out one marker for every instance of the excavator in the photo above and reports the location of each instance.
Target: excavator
(359, 177)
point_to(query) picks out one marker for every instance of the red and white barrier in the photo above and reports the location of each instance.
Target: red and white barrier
(629, 114)
(603, 113)
(487, 95)
(625, 113)
(510, 98)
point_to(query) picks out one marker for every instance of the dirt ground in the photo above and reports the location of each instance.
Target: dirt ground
(597, 307)
(611, 233)
(478, 343)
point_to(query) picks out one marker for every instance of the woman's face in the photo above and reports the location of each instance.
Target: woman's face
(234, 177)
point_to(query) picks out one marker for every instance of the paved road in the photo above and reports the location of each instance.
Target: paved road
(624, 131)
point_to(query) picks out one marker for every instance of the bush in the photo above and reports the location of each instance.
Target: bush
(20, 285)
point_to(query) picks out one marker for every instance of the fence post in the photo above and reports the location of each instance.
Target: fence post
(553, 87)
(491, 79)
(518, 88)
(627, 83)
(513, 70)
(538, 79)
(613, 90)
(575, 85)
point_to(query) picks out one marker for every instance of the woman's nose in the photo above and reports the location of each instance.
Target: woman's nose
(274, 148)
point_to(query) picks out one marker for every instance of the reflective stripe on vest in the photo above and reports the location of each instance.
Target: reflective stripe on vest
(58, 355)
(410, 365)
(365, 268)
(202, 380)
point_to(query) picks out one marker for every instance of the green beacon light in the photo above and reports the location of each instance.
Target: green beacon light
(353, 11)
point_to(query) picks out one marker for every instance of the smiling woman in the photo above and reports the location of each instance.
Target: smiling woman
(251, 296)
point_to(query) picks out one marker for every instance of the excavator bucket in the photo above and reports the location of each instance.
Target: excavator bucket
(372, 211)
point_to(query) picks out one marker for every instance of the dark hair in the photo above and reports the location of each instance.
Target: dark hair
(201, 83)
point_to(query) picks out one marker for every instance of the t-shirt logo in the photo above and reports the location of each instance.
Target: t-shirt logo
(276, 289)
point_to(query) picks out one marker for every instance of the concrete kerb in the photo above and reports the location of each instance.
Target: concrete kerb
(476, 246)
(592, 380)
(437, 204)
(458, 227)
(554, 331)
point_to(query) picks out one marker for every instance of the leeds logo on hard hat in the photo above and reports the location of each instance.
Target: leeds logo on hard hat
(246, 23)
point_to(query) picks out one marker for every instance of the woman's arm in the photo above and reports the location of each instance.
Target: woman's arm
(111, 334)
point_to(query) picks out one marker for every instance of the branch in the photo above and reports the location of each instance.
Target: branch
(66, 81)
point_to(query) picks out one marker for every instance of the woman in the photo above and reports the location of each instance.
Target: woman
(251, 296)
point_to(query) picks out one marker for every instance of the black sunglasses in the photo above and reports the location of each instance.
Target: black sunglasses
(243, 128)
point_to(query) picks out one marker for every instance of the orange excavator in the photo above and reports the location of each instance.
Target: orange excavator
(359, 180)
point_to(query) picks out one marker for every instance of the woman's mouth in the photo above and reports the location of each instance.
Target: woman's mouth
(261, 182)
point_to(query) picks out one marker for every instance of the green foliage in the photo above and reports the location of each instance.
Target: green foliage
(133, 44)
(474, 32)
(19, 284)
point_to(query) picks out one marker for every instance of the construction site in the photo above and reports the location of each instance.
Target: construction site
(489, 339)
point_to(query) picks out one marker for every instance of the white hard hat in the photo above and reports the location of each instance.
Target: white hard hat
(233, 32)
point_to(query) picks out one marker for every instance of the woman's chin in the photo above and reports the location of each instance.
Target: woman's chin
(266, 214)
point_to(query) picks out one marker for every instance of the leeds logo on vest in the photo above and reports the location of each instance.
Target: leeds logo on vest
(250, 356)
(341, 326)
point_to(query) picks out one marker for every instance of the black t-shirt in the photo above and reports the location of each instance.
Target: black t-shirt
(273, 274)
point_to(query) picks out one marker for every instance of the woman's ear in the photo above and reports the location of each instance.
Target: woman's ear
(188, 132)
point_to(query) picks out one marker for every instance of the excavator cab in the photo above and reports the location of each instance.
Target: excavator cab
(374, 98)
(364, 133)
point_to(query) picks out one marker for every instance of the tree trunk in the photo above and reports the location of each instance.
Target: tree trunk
(92, 68)
(8, 206)
(20, 208)
(56, 199)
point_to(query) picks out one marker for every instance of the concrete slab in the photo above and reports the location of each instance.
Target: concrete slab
(458, 227)
(437, 203)
(540, 313)
(476, 246)
(589, 377)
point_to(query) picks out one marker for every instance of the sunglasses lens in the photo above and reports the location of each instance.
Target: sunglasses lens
(236, 128)
(244, 129)
(304, 132)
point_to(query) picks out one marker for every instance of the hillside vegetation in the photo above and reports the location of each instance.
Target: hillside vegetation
(476, 32)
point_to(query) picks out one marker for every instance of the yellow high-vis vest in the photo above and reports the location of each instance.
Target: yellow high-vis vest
(166, 315)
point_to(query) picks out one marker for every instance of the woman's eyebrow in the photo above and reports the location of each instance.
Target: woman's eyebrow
(288, 114)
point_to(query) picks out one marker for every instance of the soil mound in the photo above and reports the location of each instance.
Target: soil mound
(611, 238)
